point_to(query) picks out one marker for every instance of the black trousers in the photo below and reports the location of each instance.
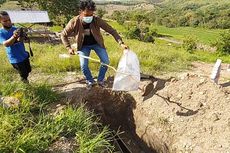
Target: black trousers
(23, 69)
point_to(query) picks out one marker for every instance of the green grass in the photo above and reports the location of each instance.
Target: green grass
(209, 57)
(31, 128)
(117, 26)
(56, 28)
(46, 59)
(206, 36)
(154, 58)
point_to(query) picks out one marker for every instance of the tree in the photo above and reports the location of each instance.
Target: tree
(139, 17)
(2, 1)
(101, 12)
(119, 17)
(27, 4)
(67, 8)
(223, 44)
(64, 9)
(134, 33)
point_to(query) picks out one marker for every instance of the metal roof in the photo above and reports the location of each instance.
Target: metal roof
(29, 16)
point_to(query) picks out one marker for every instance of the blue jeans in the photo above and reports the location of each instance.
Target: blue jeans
(102, 54)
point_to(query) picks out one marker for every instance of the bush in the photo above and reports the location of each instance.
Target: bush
(101, 12)
(134, 33)
(223, 44)
(189, 44)
(148, 38)
(119, 17)
(153, 32)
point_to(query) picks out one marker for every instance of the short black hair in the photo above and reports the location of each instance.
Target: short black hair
(87, 4)
(3, 13)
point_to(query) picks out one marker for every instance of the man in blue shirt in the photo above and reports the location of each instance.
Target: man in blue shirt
(15, 49)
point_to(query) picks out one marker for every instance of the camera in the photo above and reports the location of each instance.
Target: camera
(22, 32)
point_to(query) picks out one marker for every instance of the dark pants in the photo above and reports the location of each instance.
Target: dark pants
(23, 69)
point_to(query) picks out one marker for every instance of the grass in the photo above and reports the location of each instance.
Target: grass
(31, 128)
(206, 36)
(209, 57)
(56, 28)
(117, 26)
(154, 59)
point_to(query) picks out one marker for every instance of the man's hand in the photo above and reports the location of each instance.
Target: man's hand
(125, 51)
(16, 34)
(71, 51)
(12, 40)
(124, 46)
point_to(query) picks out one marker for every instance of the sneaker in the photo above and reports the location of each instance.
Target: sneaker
(101, 84)
(90, 85)
(25, 81)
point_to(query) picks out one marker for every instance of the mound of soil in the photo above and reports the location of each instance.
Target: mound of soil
(189, 114)
(185, 114)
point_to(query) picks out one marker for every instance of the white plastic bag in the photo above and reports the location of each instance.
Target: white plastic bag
(127, 77)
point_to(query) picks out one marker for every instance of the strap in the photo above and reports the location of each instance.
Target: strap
(31, 52)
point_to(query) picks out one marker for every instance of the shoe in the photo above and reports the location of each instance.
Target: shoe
(25, 81)
(101, 84)
(90, 85)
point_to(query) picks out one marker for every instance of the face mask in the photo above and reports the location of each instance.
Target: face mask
(88, 19)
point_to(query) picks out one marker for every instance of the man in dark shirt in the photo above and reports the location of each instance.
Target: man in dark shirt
(86, 28)
(88, 39)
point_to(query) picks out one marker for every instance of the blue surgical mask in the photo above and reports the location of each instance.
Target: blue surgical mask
(88, 19)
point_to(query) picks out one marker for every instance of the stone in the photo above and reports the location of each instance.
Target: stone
(146, 87)
(10, 102)
(215, 117)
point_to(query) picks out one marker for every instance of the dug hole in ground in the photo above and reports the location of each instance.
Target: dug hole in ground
(187, 113)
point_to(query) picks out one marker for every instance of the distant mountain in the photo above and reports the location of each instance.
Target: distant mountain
(128, 1)
(182, 2)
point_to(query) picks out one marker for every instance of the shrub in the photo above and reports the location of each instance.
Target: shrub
(148, 38)
(101, 12)
(189, 44)
(134, 33)
(223, 43)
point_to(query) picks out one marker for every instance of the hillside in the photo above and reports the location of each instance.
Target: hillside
(176, 109)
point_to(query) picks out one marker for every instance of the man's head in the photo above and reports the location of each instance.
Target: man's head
(87, 8)
(5, 20)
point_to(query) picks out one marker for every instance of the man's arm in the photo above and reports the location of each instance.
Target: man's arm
(11, 40)
(68, 30)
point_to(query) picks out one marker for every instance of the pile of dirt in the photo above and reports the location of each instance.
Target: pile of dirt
(189, 114)
(185, 114)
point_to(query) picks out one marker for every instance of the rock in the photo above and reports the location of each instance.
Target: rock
(10, 102)
(200, 104)
(173, 80)
(215, 117)
(146, 87)
(202, 81)
(184, 76)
